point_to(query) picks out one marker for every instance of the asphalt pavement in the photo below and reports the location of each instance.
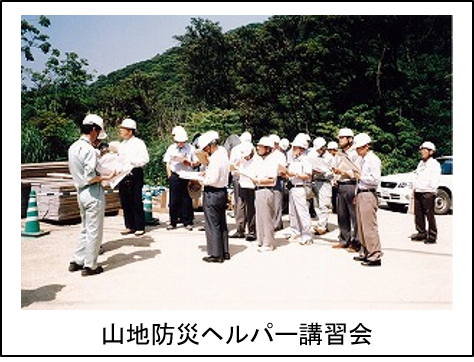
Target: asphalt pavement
(164, 270)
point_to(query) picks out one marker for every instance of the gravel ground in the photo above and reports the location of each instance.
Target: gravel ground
(164, 270)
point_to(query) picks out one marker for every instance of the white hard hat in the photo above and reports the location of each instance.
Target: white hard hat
(346, 132)
(284, 144)
(332, 145)
(246, 149)
(429, 145)
(300, 141)
(129, 124)
(177, 129)
(361, 139)
(245, 137)
(266, 141)
(305, 136)
(180, 135)
(98, 121)
(207, 138)
(275, 138)
(318, 143)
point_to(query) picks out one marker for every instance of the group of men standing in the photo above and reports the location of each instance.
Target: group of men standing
(260, 176)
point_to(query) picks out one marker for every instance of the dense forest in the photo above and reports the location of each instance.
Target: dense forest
(389, 76)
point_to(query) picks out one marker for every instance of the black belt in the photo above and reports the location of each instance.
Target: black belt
(298, 185)
(213, 189)
(351, 182)
(264, 187)
(366, 190)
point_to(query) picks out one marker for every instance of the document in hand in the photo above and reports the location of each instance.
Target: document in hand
(191, 175)
(202, 157)
(246, 173)
(346, 165)
(112, 162)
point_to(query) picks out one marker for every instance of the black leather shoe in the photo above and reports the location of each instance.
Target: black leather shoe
(88, 271)
(418, 237)
(430, 241)
(213, 259)
(250, 238)
(359, 258)
(236, 236)
(73, 266)
(226, 256)
(372, 263)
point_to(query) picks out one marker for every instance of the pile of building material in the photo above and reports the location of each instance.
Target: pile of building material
(56, 194)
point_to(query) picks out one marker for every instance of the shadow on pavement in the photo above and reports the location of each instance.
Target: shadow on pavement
(143, 241)
(119, 260)
(45, 293)
(233, 249)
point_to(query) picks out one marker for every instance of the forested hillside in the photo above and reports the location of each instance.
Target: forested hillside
(389, 76)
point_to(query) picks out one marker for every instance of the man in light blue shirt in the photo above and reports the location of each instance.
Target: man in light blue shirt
(90, 195)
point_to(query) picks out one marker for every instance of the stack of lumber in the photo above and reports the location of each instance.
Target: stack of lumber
(61, 203)
(32, 170)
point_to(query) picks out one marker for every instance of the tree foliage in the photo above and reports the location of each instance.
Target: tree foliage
(390, 76)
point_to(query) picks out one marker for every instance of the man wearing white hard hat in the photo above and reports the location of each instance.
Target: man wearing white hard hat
(264, 178)
(321, 183)
(235, 155)
(280, 159)
(425, 185)
(134, 151)
(366, 202)
(245, 205)
(299, 173)
(82, 161)
(180, 156)
(346, 184)
(215, 182)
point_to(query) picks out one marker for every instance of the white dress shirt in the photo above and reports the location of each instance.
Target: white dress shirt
(370, 173)
(427, 176)
(175, 155)
(134, 151)
(301, 166)
(217, 172)
(266, 168)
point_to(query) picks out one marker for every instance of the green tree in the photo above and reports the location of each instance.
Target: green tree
(31, 39)
(206, 67)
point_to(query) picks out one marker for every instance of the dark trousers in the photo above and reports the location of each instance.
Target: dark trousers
(217, 235)
(130, 190)
(346, 216)
(180, 204)
(424, 209)
(334, 199)
(245, 214)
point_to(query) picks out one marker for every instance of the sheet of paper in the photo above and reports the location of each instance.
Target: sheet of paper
(346, 165)
(191, 175)
(111, 162)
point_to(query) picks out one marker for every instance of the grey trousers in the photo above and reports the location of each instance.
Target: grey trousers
(300, 220)
(264, 212)
(217, 235)
(245, 212)
(322, 201)
(346, 216)
(91, 201)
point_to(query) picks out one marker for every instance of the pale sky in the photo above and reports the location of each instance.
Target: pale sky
(111, 42)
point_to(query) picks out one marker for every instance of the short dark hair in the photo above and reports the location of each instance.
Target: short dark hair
(87, 128)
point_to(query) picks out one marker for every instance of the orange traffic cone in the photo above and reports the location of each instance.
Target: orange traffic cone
(32, 227)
